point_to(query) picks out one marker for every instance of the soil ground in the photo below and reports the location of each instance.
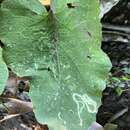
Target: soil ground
(115, 106)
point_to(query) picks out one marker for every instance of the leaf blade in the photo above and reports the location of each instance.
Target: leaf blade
(65, 60)
(3, 73)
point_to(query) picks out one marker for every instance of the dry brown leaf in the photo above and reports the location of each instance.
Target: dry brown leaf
(41, 127)
(16, 106)
(15, 84)
(9, 117)
(45, 2)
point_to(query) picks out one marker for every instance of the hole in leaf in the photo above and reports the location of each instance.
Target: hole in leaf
(48, 8)
(89, 34)
(48, 69)
(89, 57)
(71, 5)
(9, 68)
(41, 69)
(1, 44)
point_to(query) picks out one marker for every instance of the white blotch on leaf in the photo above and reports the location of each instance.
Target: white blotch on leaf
(68, 77)
(83, 102)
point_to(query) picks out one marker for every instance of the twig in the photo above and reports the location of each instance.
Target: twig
(118, 114)
(119, 28)
(116, 33)
(16, 106)
(9, 117)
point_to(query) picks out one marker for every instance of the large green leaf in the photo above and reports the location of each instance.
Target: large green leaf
(3, 72)
(60, 50)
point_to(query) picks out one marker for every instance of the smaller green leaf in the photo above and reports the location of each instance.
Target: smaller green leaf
(110, 126)
(27, 7)
(119, 91)
(3, 72)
